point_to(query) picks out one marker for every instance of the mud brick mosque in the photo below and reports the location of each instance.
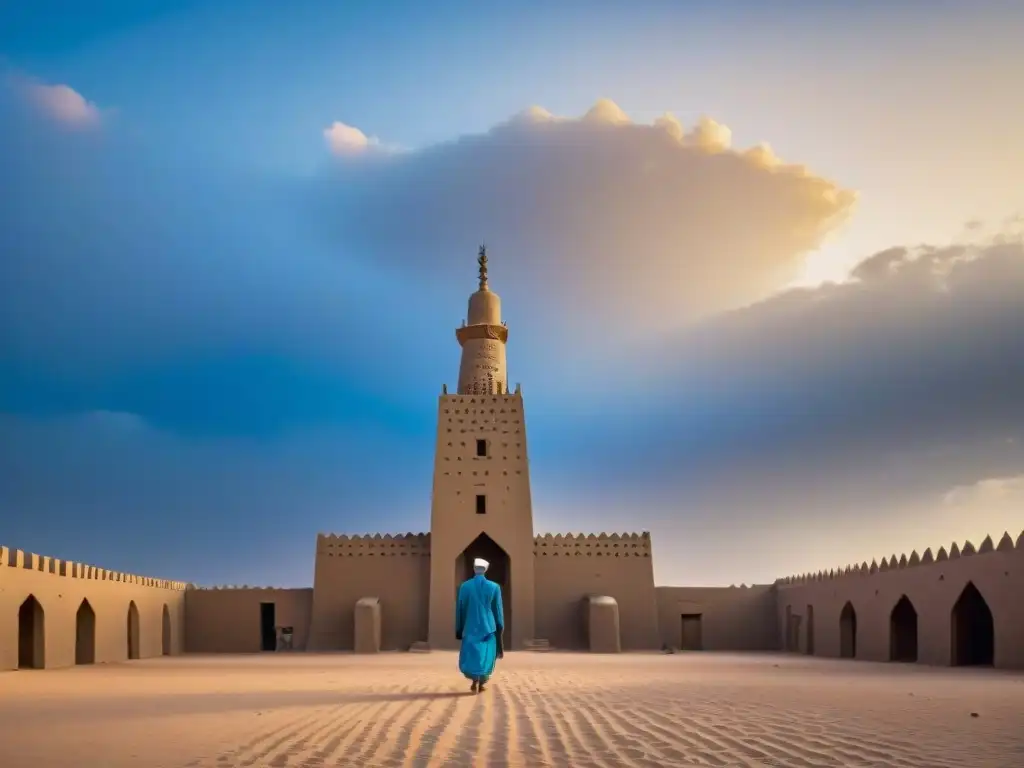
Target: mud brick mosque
(593, 592)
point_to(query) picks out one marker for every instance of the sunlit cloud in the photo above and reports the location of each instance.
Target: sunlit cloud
(629, 228)
(345, 139)
(63, 104)
(991, 492)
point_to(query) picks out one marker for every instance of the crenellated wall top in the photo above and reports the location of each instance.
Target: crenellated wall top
(17, 558)
(237, 587)
(334, 545)
(568, 538)
(611, 544)
(891, 563)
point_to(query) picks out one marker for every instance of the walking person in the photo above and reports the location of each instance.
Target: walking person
(479, 623)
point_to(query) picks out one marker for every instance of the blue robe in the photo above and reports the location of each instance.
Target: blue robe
(479, 621)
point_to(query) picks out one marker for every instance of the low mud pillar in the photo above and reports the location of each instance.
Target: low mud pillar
(367, 625)
(602, 617)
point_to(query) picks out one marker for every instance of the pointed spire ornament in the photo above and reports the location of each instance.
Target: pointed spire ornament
(481, 259)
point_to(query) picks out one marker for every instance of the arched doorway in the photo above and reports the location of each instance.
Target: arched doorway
(133, 630)
(85, 634)
(903, 631)
(31, 634)
(500, 571)
(165, 634)
(848, 632)
(973, 630)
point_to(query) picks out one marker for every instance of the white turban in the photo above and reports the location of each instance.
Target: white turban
(479, 564)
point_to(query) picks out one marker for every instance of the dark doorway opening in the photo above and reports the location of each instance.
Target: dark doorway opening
(810, 630)
(481, 504)
(268, 627)
(481, 447)
(500, 571)
(974, 640)
(31, 634)
(133, 631)
(85, 634)
(165, 633)
(848, 632)
(903, 631)
(692, 632)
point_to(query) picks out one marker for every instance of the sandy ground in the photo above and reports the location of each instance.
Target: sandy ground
(542, 710)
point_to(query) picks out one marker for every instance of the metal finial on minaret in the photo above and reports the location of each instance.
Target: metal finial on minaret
(481, 259)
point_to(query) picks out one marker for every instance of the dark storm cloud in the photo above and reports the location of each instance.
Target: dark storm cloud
(920, 344)
(919, 356)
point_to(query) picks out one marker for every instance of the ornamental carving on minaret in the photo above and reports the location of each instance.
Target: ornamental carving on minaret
(489, 332)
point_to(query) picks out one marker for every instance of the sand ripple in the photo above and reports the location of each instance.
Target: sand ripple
(411, 710)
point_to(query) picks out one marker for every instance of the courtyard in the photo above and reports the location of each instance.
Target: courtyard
(543, 709)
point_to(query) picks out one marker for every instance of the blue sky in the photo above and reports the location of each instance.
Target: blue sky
(225, 323)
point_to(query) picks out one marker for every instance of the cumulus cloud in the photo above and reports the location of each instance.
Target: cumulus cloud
(344, 139)
(1005, 493)
(63, 104)
(990, 506)
(629, 228)
(599, 226)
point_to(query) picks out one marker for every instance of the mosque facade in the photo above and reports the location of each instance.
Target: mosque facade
(593, 592)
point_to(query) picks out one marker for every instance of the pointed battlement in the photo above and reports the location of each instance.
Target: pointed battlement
(17, 558)
(228, 587)
(599, 545)
(373, 545)
(1006, 544)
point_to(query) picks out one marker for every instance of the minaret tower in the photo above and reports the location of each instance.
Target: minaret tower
(483, 338)
(480, 506)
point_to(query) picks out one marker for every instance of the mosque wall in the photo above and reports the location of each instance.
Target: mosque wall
(228, 619)
(570, 568)
(56, 612)
(394, 569)
(718, 618)
(908, 608)
(859, 611)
